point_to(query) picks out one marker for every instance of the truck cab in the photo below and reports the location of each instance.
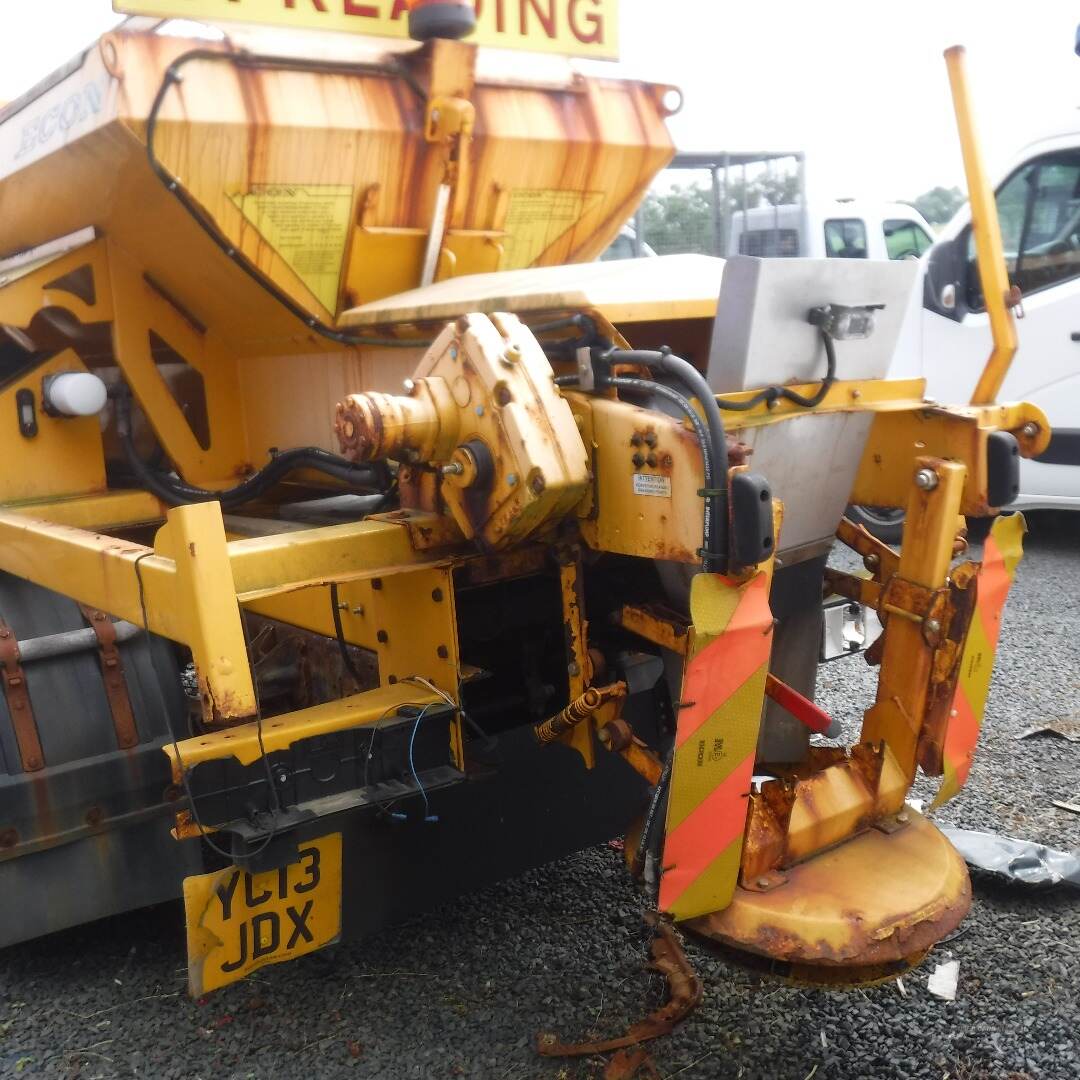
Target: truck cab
(1038, 202)
(840, 229)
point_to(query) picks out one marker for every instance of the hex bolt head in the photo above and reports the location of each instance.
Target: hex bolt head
(872, 562)
(933, 626)
(1030, 430)
(926, 480)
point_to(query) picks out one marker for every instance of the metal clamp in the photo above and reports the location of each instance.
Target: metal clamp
(18, 700)
(112, 674)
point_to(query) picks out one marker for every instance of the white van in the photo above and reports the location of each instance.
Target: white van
(844, 229)
(1038, 203)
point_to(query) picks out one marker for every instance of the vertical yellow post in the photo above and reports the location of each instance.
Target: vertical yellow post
(985, 227)
(194, 537)
(925, 557)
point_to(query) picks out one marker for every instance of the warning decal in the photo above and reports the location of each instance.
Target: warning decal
(308, 226)
(538, 218)
(652, 484)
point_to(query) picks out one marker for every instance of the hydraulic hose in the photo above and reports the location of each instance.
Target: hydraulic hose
(371, 479)
(716, 489)
(172, 78)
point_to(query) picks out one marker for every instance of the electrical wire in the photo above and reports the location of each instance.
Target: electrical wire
(770, 395)
(173, 185)
(459, 708)
(339, 632)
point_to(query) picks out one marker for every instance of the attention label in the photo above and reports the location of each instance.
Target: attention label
(538, 218)
(308, 226)
(652, 484)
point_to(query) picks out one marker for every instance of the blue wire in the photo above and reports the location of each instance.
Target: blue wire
(428, 817)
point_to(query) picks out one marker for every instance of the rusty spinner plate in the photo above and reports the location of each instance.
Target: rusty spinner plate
(872, 906)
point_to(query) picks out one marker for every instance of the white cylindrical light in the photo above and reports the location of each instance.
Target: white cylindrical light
(75, 393)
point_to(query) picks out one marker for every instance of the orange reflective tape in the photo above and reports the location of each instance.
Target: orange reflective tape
(711, 827)
(1001, 555)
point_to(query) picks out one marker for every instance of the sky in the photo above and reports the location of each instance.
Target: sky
(860, 85)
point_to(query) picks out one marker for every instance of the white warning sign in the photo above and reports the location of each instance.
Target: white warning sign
(308, 226)
(652, 484)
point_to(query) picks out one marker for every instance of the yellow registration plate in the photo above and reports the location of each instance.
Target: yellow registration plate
(238, 922)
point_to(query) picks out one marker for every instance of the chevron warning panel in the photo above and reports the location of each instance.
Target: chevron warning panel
(1002, 553)
(715, 743)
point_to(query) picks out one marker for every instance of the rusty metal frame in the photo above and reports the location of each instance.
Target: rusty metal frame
(112, 675)
(19, 704)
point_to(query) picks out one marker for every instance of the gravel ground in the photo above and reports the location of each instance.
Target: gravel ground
(463, 991)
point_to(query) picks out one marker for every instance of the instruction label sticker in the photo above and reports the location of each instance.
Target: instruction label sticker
(538, 218)
(308, 226)
(652, 484)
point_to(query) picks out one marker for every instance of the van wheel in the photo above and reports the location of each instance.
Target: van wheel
(884, 522)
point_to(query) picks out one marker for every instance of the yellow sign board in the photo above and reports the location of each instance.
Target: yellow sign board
(238, 922)
(308, 226)
(570, 27)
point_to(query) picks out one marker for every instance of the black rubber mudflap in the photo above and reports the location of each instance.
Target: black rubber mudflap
(87, 835)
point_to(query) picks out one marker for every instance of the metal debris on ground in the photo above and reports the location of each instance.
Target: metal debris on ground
(685, 993)
(943, 981)
(1072, 807)
(1017, 860)
(1066, 727)
(631, 1065)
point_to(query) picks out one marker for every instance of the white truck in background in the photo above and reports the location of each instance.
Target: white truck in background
(840, 229)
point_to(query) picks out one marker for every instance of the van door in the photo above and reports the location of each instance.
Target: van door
(1039, 208)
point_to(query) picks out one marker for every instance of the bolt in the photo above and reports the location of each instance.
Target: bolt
(903, 817)
(382, 637)
(651, 461)
(503, 395)
(573, 669)
(376, 583)
(283, 777)
(511, 479)
(409, 386)
(638, 460)
(763, 882)
(650, 438)
(872, 562)
(856, 394)
(455, 468)
(933, 626)
(513, 354)
(437, 595)
(537, 484)
(635, 439)
(443, 652)
(926, 479)
(1030, 430)
(358, 610)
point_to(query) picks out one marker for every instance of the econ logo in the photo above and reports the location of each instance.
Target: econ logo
(586, 28)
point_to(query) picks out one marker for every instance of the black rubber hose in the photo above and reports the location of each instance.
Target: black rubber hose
(172, 184)
(716, 489)
(708, 456)
(776, 393)
(373, 479)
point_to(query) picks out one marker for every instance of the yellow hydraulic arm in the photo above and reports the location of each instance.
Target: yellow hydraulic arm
(985, 227)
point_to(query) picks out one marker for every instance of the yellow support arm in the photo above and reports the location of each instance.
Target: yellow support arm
(985, 227)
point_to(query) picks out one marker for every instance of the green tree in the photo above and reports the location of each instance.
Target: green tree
(938, 204)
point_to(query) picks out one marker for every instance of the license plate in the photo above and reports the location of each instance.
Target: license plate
(238, 922)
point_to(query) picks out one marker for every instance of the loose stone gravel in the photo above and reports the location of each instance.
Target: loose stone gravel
(463, 991)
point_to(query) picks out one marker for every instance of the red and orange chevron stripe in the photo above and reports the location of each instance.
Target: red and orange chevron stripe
(1002, 553)
(715, 743)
